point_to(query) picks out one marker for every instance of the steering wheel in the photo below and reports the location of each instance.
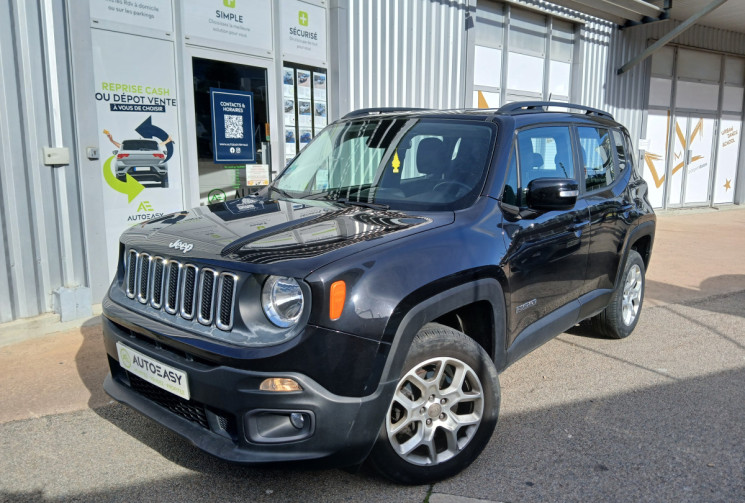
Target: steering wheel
(453, 182)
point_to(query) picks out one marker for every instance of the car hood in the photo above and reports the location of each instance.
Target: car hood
(276, 236)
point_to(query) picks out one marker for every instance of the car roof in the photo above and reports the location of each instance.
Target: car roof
(523, 114)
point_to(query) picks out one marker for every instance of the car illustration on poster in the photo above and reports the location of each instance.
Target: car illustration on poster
(143, 160)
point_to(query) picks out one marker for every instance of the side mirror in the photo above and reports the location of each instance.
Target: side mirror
(546, 194)
(114, 152)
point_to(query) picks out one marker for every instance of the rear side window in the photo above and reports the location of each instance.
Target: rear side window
(621, 151)
(597, 157)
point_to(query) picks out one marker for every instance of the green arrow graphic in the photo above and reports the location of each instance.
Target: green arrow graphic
(131, 187)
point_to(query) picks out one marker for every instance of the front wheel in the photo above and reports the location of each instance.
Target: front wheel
(619, 319)
(443, 411)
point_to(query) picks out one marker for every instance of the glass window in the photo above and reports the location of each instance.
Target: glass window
(597, 157)
(562, 40)
(734, 70)
(403, 163)
(631, 153)
(618, 141)
(662, 62)
(489, 24)
(545, 152)
(528, 32)
(698, 65)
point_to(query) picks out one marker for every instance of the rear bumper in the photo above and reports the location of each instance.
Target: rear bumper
(228, 417)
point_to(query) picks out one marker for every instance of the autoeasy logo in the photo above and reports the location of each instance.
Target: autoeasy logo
(145, 211)
(125, 359)
(156, 369)
(303, 20)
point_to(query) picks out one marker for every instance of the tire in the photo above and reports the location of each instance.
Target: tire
(621, 315)
(451, 446)
(164, 182)
(122, 178)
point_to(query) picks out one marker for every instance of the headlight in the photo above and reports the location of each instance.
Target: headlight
(282, 300)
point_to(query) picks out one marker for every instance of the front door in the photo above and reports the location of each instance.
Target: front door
(233, 103)
(546, 254)
(690, 173)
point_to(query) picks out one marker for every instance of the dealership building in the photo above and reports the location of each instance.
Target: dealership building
(208, 99)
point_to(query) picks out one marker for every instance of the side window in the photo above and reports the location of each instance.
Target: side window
(510, 193)
(631, 153)
(545, 152)
(618, 140)
(597, 157)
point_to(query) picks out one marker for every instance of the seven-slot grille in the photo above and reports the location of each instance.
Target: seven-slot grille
(195, 293)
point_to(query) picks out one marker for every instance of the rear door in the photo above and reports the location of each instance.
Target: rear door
(606, 167)
(546, 253)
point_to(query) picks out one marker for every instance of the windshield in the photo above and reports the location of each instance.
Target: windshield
(403, 163)
(139, 145)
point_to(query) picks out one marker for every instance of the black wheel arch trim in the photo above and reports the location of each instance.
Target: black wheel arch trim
(646, 228)
(415, 316)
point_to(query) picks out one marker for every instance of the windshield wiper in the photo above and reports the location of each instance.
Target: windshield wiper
(281, 192)
(375, 206)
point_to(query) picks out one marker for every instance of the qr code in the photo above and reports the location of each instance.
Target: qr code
(233, 126)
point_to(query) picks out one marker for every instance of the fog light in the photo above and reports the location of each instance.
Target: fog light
(279, 384)
(297, 420)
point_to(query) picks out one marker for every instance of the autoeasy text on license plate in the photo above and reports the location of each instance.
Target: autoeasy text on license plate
(153, 371)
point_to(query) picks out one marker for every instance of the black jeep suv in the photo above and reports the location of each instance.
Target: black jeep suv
(362, 305)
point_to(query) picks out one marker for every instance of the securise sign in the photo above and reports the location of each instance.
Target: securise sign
(303, 32)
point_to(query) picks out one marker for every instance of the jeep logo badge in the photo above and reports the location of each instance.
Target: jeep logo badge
(184, 247)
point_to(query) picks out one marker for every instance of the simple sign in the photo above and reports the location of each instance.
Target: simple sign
(224, 24)
(232, 126)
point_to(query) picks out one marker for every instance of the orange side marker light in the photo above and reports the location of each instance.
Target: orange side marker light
(337, 297)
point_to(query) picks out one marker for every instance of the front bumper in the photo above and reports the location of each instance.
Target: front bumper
(230, 418)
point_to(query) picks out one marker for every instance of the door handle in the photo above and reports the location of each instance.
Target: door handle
(578, 226)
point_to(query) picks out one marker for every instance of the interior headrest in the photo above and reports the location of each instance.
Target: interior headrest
(430, 156)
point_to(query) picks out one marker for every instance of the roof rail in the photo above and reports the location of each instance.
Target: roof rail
(541, 106)
(373, 111)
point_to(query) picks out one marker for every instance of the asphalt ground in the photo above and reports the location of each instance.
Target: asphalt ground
(655, 417)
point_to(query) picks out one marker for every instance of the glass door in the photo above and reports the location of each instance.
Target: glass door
(690, 175)
(232, 108)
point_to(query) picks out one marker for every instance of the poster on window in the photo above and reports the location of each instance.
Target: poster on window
(304, 111)
(138, 123)
(232, 126)
(728, 147)
(319, 116)
(303, 84)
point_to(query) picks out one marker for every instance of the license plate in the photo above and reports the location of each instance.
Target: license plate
(142, 168)
(153, 371)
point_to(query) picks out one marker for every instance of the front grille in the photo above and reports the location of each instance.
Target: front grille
(188, 409)
(203, 295)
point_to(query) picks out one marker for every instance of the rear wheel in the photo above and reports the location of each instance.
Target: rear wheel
(443, 411)
(164, 182)
(122, 177)
(619, 319)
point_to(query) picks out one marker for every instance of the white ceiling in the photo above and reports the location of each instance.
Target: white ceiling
(729, 16)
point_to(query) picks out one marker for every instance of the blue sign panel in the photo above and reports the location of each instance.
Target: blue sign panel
(232, 126)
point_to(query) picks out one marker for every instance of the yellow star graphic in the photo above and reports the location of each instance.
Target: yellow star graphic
(727, 185)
